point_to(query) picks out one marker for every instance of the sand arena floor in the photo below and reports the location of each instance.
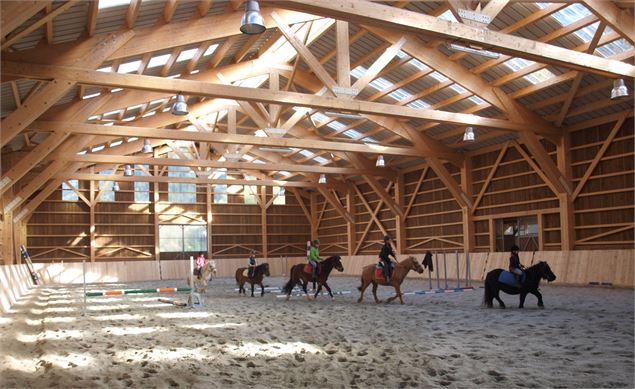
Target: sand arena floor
(584, 338)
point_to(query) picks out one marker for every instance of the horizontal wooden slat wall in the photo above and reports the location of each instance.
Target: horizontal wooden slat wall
(332, 230)
(604, 208)
(434, 221)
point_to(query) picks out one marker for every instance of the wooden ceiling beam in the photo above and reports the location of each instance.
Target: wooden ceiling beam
(132, 13)
(93, 51)
(91, 21)
(619, 19)
(14, 13)
(366, 12)
(208, 89)
(335, 203)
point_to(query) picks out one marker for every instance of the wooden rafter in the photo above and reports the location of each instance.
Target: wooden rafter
(14, 13)
(619, 20)
(500, 157)
(364, 12)
(370, 222)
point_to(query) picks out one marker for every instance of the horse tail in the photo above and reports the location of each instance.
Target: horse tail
(238, 276)
(488, 295)
(288, 287)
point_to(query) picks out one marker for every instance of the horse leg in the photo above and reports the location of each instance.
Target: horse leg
(262, 289)
(329, 290)
(305, 284)
(375, 285)
(361, 290)
(539, 295)
(319, 289)
(397, 294)
(523, 295)
(497, 297)
(252, 289)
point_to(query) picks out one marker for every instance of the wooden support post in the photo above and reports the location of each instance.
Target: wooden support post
(541, 231)
(263, 221)
(343, 54)
(93, 204)
(155, 211)
(469, 237)
(567, 217)
(350, 227)
(210, 218)
(401, 220)
(492, 235)
(314, 216)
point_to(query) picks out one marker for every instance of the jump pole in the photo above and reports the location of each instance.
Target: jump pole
(136, 291)
(84, 280)
(191, 301)
(458, 273)
(436, 259)
(445, 270)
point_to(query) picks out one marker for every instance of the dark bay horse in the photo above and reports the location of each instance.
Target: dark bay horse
(260, 272)
(399, 273)
(533, 276)
(298, 275)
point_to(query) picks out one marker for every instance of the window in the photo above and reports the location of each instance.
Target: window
(220, 190)
(68, 194)
(279, 195)
(182, 238)
(249, 194)
(108, 195)
(141, 188)
(181, 192)
(522, 231)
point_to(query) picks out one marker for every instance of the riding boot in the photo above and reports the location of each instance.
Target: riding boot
(313, 273)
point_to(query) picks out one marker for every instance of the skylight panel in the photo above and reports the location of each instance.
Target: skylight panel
(358, 71)
(129, 67)
(571, 14)
(321, 160)
(400, 94)
(116, 143)
(90, 96)
(401, 54)
(458, 88)
(115, 112)
(158, 60)
(105, 69)
(418, 104)
(306, 153)
(380, 83)
(418, 64)
(587, 33)
(112, 3)
(369, 139)
(516, 64)
(261, 133)
(187, 55)
(539, 76)
(320, 117)
(616, 47)
(353, 133)
(476, 100)
(336, 125)
(97, 148)
(449, 16)
(438, 76)
(258, 161)
(284, 173)
(210, 50)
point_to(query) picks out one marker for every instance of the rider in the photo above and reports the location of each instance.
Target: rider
(514, 264)
(314, 257)
(200, 262)
(384, 256)
(252, 264)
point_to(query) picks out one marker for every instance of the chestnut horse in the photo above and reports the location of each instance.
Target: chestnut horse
(260, 272)
(297, 274)
(398, 274)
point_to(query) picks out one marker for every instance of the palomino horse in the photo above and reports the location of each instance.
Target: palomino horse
(200, 282)
(260, 272)
(399, 273)
(297, 274)
(533, 276)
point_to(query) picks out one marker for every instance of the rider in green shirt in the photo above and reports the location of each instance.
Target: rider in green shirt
(314, 257)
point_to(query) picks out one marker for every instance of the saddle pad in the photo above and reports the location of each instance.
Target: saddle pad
(379, 272)
(308, 268)
(508, 278)
(246, 273)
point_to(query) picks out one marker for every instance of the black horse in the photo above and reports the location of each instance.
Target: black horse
(298, 275)
(533, 276)
(259, 272)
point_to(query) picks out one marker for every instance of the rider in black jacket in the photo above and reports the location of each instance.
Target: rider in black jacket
(386, 252)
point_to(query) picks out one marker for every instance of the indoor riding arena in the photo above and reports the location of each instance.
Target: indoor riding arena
(317, 194)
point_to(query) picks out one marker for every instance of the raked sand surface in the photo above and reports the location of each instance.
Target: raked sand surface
(584, 338)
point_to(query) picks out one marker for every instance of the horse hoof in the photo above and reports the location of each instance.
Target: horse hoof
(541, 306)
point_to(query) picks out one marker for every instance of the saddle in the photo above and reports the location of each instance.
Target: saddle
(308, 269)
(379, 269)
(509, 279)
(246, 273)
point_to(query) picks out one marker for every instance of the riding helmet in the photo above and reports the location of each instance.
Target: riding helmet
(316, 241)
(515, 248)
(387, 238)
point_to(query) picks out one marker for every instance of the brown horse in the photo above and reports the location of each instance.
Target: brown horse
(298, 275)
(260, 272)
(399, 273)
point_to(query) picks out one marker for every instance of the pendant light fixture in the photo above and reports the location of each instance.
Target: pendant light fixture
(179, 108)
(127, 171)
(322, 179)
(619, 90)
(147, 146)
(252, 22)
(469, 136)
(380, 161)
